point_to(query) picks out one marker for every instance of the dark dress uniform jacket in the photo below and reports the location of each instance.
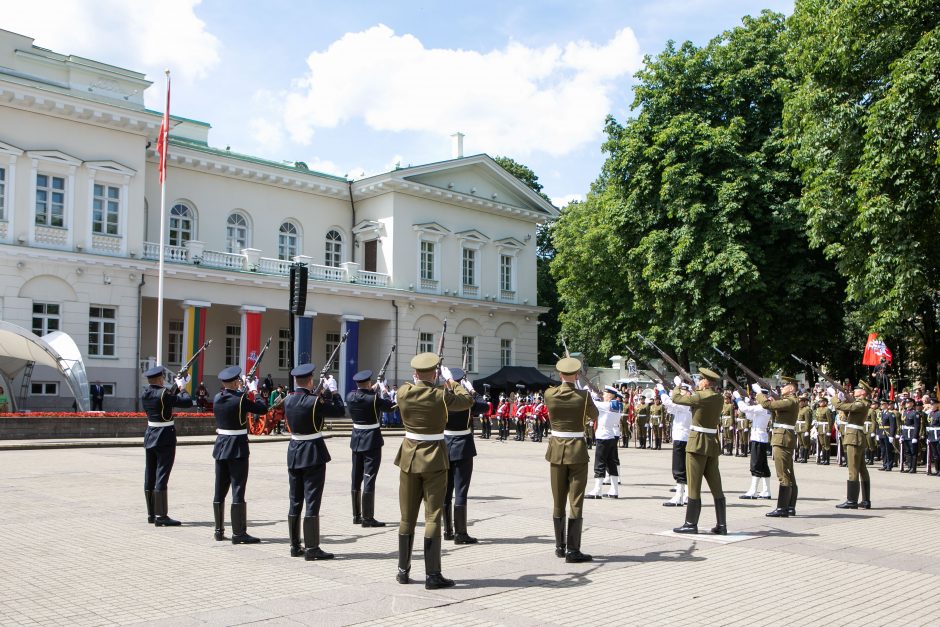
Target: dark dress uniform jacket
(462, 446)
(706, 413)
(304, 415)
(424, 410)
(158, 404)
(933, 427)
(855, 414)
(786, 410)
(365, 407)
(231, 409)
(569, 409)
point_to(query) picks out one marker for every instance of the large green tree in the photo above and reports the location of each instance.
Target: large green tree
(863, 114)
(692, 233)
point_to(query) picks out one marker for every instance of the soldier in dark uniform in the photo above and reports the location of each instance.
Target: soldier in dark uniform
(702, 451)
(910, 430)
(888, 431)
(803, 421)
(569, 410)
(458, 436)
(307, 457)
(160, 442)
(933, 436)
(231, 408)
(783, 440)
(366, 404)
(422, 459)
(855, 441)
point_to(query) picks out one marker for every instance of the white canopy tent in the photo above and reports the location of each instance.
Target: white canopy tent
(19, 346)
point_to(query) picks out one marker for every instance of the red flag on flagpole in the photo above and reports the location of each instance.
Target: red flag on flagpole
(875, 350)
(163, 137)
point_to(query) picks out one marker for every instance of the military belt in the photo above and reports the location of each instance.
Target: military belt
(851, 426)
(373, 426)
(160, 424)
(780, 425)
(456, 433)
(232, 431)
(911, 428)
(306, 436)
(703, 429)
(568, 434)
(423, 437)
(933, 428)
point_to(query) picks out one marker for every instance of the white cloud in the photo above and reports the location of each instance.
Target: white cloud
(567, 199)
(143, 36)
(516, 100)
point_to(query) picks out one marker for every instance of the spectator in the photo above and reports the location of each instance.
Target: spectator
(97, 396)
(4, 401)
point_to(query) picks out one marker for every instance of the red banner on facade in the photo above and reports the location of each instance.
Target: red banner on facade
(252, 332)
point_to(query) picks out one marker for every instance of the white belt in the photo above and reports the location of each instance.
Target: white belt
(424, 438)
(907, 428)
(933, 428)
(703, 429)
(375, 426)
(859, 427)
(232, 431)
(780, 425)
(454, 433)
(568, 434)
(157, 425)
(306, 436)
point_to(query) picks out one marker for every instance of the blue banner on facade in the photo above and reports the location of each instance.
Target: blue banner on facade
(352, 354)
(303, 339)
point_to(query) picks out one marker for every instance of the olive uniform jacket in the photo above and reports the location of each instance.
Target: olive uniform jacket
(804, 419)
(706, 412)
(569, 409)
(855, 414)
(424, 410)
(786, 409)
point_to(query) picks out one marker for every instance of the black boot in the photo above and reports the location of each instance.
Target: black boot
(240, 525)
(692, 512)
(865, 503)
(448, 521)
(783, 503)
(148, 496)
(574, 555)
(721, 528)
(312, 550)
(368, 511)
(560, 544)
(794, 491)
(218, 511)
(434, 580)
(460, 526)
(405, 543)
(357, 507)
(851, 499)
(160, 508)
(293, 532)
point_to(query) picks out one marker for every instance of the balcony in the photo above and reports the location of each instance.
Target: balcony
(507, 296)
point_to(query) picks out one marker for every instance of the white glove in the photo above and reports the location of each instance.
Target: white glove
(831, 391)
(467, 386)
(756, 388)
(253, 386)
(897, 437)
(181, 382)
(914, 440)
(677, 380)
(806, 434)
(736, 395)
(445, 372)
(659, 387)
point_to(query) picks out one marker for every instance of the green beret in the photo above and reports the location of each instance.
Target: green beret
(568, 365)
(425, 361)
(709, 374)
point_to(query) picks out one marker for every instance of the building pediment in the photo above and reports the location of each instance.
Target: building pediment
(9, 149)
(111, 166)
(509, 242)
(472, 235)
(56, 156)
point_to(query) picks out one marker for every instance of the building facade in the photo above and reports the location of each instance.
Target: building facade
(390, 257)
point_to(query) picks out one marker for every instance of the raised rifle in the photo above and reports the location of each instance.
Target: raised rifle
(440, 349)
(726, 376)
(254, 367)
(659, 375)
(822, 375)
(329, 362)
(185, 369)
(381, 376)
(466, 358)
(672, 362)
(764, 383)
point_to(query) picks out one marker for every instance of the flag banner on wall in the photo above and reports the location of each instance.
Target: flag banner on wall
(164, 135)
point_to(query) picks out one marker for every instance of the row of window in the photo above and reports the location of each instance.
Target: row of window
(49, 203)
(469, 266)
(102, 326)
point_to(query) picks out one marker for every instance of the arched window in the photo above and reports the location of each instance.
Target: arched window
(182, 224)
(236, 233)
(334, 249)
(288, 241)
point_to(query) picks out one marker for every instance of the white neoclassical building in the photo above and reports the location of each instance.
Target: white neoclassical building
(390, 256)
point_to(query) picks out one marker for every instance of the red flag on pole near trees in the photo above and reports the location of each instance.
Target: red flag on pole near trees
(875, 350)
(163, 137)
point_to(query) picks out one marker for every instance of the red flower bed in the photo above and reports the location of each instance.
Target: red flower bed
(97, 414)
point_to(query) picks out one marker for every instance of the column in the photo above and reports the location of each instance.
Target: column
(349, 353)
(250, 337)
(303, 338)
(194, 336)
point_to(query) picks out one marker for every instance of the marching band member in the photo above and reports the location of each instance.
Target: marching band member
(607, 436)
(760, 471)
(681, 424)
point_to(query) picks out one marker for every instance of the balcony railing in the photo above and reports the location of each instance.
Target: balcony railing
(470, 291)
(507, 296)
(173, 254)
(326, 273)
(375, 279)
(428, 285)
(218, 259)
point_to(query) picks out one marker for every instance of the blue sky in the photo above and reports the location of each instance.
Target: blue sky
(354, 88)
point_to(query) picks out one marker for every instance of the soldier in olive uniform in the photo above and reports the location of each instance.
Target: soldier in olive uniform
(366, 405)
(569, 409)
(422, 460)
(160, 442)
(727, 425)
(743, 424)
(823, 423)
(783, 441)
(642, 421)
(307, 457)
(231, 407)
(933, 436)
(871, 428)
(657, 420)
(703, 450)
(803, 421)
(855, 441)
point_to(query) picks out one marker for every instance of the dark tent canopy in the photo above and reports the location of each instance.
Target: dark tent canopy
(507, 377)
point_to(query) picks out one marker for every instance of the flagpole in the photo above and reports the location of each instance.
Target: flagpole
(165, 137)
